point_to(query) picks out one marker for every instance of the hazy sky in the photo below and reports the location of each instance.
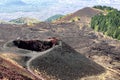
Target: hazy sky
(41, 9)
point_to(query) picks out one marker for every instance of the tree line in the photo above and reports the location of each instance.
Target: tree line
(108, 23)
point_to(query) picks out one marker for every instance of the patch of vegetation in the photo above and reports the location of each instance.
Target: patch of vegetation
(75, 19)
(24, 20)
(109, 24)
(104, 8)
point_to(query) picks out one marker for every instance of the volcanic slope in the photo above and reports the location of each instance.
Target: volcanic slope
(104, 50)
(64, 63)
(59, 58)
(82, 15)
(95, 46)
(12, 71)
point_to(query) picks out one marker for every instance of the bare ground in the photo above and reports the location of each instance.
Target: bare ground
(11, 71)
(103, 50)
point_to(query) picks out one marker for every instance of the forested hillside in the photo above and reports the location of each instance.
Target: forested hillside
(104, 8)
(108, 23)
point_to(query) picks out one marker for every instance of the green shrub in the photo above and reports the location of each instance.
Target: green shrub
(108, 24)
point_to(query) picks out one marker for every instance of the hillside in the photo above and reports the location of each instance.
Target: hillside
(104, 8)
(88, 44)
(4, 22)
(65, 64)
(11, 71)
(107, 23)
(53, 18)
(82, 15)
(24, 20)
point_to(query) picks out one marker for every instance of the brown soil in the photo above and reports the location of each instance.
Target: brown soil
(84, 14)
(10, 71)
(65, 64)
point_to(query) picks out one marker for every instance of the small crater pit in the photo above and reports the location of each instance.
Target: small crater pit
(35, 45)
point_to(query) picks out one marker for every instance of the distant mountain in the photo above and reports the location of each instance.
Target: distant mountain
(83, 15)
(55, 17)
(4, 22)
(24, 20)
